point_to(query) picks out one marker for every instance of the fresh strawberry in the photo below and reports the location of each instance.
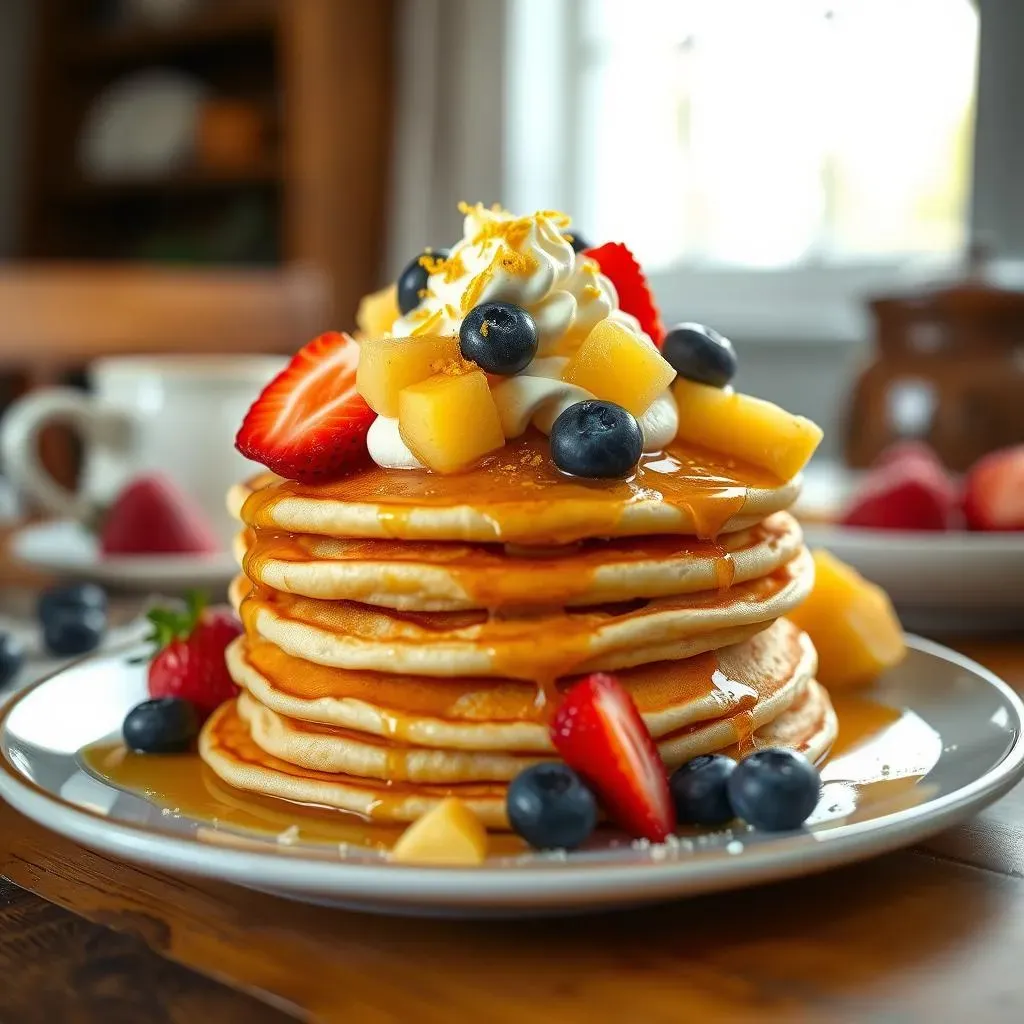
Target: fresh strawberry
(309, 424)
(151, 516)
(907, 493)
(619, 265)
(189, 660)
(994, 492)
(599, 732)
(904, 452)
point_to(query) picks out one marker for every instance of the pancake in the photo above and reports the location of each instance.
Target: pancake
(506, 715)
(440, 576)
(546, 645)
(518, 496)
(228, 748)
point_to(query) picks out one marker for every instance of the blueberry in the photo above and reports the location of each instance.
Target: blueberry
(166, 725)
(70, 631)
(699, 790)
(77, 595)
(698, 353)
(550, 807)
(413, 280)
(12, 657)
(774, 790)
(499, 337)
(577, 241)
(596, 439)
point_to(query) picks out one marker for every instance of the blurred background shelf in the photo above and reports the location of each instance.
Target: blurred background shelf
(256, 103)
(224, 24)
(266, 171)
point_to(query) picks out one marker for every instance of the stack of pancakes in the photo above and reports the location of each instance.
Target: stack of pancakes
(407, 635)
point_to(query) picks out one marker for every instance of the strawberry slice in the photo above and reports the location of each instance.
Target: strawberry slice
(599, 733)
(309, 424)
(994, 492)
(908, 492)
(151, 516)
(619, 265)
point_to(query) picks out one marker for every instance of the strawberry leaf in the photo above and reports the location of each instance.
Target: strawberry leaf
(169, 624)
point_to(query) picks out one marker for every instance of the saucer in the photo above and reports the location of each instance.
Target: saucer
(65, 548)
(951, 743)
(954, 582)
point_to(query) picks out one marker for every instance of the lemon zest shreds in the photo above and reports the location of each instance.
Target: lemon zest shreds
(428, 325)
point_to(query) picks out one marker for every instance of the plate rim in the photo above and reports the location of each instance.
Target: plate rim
(124, 567)
(548, 881)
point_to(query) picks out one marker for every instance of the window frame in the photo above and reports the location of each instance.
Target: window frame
(811, 303)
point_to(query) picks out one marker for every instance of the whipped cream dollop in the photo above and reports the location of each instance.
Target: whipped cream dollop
(530, 262)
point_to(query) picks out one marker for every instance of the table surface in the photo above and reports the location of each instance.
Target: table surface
(934, 933)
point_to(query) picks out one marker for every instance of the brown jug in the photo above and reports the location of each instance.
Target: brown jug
(948, 369)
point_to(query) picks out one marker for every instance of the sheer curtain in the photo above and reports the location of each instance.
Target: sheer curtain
(449, 141)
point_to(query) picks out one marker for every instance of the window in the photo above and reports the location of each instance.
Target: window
(767, 161)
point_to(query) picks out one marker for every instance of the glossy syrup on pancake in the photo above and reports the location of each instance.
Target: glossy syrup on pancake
(519, 486)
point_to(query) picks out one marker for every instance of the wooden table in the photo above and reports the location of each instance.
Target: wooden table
(935, 933)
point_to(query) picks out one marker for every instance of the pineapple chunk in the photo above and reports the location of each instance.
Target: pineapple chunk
(378, 312)
(449, 421)
(449, 834)
(747, 428)
(852, 624)
(386, 365)
(615, 364)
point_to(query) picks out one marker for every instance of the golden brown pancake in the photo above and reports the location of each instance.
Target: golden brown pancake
(345, 634)
(227, 746)
(511, 715)
(450, 576)
(518, 496)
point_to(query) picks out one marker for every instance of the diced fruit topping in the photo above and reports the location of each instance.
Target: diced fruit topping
(550, 807)
(594, 439)
(700, 790)
(310, 424)
(617, 365)
(774, 790)
(386, 365)
(499, 337)
(412, 282)
(449, 834)
(698, 353)
(599, 732)
(746, 428)
(905, 493)
(619, 265)
(152, 516)
(189, 660)
(74, 595)
(577, 241)
(851, 623)
(12, 657)
(994, 496)
(378, 312)
(167, 725)
(448, 422)
(72, 630)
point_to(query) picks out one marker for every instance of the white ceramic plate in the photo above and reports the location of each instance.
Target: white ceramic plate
(66, 548)
(957, 581)
(957, 746)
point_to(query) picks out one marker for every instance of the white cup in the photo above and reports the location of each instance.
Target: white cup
(173, 415)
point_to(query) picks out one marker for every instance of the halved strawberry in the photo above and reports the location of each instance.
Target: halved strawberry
(619, 265)
(309, 424)
(994, 492)
(599, 732)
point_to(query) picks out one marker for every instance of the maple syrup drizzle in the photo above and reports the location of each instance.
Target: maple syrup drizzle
(870, 735)
(522, 493)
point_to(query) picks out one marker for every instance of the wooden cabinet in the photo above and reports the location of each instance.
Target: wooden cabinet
(290, 160)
